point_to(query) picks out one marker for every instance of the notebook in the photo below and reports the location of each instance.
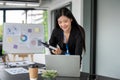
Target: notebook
(66, 65)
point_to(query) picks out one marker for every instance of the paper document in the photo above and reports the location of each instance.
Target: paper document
(20, 63)
(15, 71)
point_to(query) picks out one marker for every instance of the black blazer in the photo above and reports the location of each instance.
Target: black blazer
(74, 42)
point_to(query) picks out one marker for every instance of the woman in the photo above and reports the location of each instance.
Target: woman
(68, 36)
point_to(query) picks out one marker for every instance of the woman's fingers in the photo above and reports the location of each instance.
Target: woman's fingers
(53, 51)
(57, 51)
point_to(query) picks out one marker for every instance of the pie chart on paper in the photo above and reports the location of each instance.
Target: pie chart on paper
(23, 38)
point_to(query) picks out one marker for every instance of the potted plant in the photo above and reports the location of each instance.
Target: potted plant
(49, 74)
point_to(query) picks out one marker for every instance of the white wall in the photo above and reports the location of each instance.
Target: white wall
(108, 40)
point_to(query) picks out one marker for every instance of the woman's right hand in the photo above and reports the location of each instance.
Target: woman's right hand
(57, 51)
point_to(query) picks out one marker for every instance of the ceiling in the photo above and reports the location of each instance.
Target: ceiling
(21, 3)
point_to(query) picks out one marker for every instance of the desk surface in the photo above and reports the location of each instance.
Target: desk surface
(6, 76)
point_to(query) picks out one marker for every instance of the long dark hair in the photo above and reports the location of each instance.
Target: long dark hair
(66, 12)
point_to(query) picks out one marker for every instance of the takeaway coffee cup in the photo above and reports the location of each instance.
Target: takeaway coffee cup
(33, 72)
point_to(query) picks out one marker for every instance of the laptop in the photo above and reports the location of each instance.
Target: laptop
(66, 65)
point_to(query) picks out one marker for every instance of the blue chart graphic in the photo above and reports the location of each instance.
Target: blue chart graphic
(23, 38)
(12, 31)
